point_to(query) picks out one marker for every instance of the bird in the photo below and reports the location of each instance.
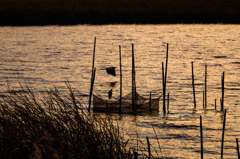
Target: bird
(112, 84)
(111, 71)
(110, 94)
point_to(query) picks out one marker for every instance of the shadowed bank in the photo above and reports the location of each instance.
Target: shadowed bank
(71, 12)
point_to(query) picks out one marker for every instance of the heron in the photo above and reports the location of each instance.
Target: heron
(111, 71)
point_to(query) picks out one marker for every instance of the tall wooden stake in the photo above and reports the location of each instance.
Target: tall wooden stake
(223, 130)
(237, 148)
(163, 81)
(194, 97)
(133, 81)
(201, 137)
(92, 76)
(222, 101)
(168, 103)
(150, 101)
(120, 57)
(205, 86)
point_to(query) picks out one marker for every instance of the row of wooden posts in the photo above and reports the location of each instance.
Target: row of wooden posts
(164, 82)
(205, 91)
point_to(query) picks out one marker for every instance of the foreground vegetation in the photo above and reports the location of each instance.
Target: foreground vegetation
(68, 12)
(55, 126)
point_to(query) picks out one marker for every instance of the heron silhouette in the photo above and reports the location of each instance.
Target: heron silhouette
(111, 71)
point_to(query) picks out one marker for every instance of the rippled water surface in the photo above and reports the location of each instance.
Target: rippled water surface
(43, 57)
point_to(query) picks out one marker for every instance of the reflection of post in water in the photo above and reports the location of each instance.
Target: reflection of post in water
(133, 82)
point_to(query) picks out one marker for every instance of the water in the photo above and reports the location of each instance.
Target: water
(43, 57)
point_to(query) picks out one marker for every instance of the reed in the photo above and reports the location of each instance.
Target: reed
(51, 125)
(149, 150)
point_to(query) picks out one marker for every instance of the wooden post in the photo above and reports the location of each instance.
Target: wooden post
(205, 86)
(168, 103)
(194, 97)
(201, 137)
(133, 81)
(92, 76)
(223, 130)
(163, 82)
(203, 100)
(238, 148)
(150, 101)
(222, 101)
(120, 57)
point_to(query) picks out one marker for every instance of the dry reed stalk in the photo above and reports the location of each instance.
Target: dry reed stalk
(55, 126)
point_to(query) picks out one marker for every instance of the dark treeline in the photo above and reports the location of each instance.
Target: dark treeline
(70, 12)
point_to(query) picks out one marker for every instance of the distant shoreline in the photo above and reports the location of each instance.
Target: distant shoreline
(72, 12)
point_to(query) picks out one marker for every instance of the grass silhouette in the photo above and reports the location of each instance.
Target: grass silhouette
(51, 125)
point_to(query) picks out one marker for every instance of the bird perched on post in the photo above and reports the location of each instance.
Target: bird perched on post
(111, 71)
(110, 94)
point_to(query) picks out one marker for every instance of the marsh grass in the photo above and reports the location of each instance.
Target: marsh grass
(51, 125)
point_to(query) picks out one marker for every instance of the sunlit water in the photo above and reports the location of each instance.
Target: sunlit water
(43, 57)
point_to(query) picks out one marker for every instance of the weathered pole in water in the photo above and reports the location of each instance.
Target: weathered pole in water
(205, 87)
(168, 103)
(222, 101)
(194, 97)
(150, 101)
(120, 61)
(201, 137)
(163, 82)
(92, 76)
(203, 100)
(223, 130)
(237, 148)
(133, 82)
